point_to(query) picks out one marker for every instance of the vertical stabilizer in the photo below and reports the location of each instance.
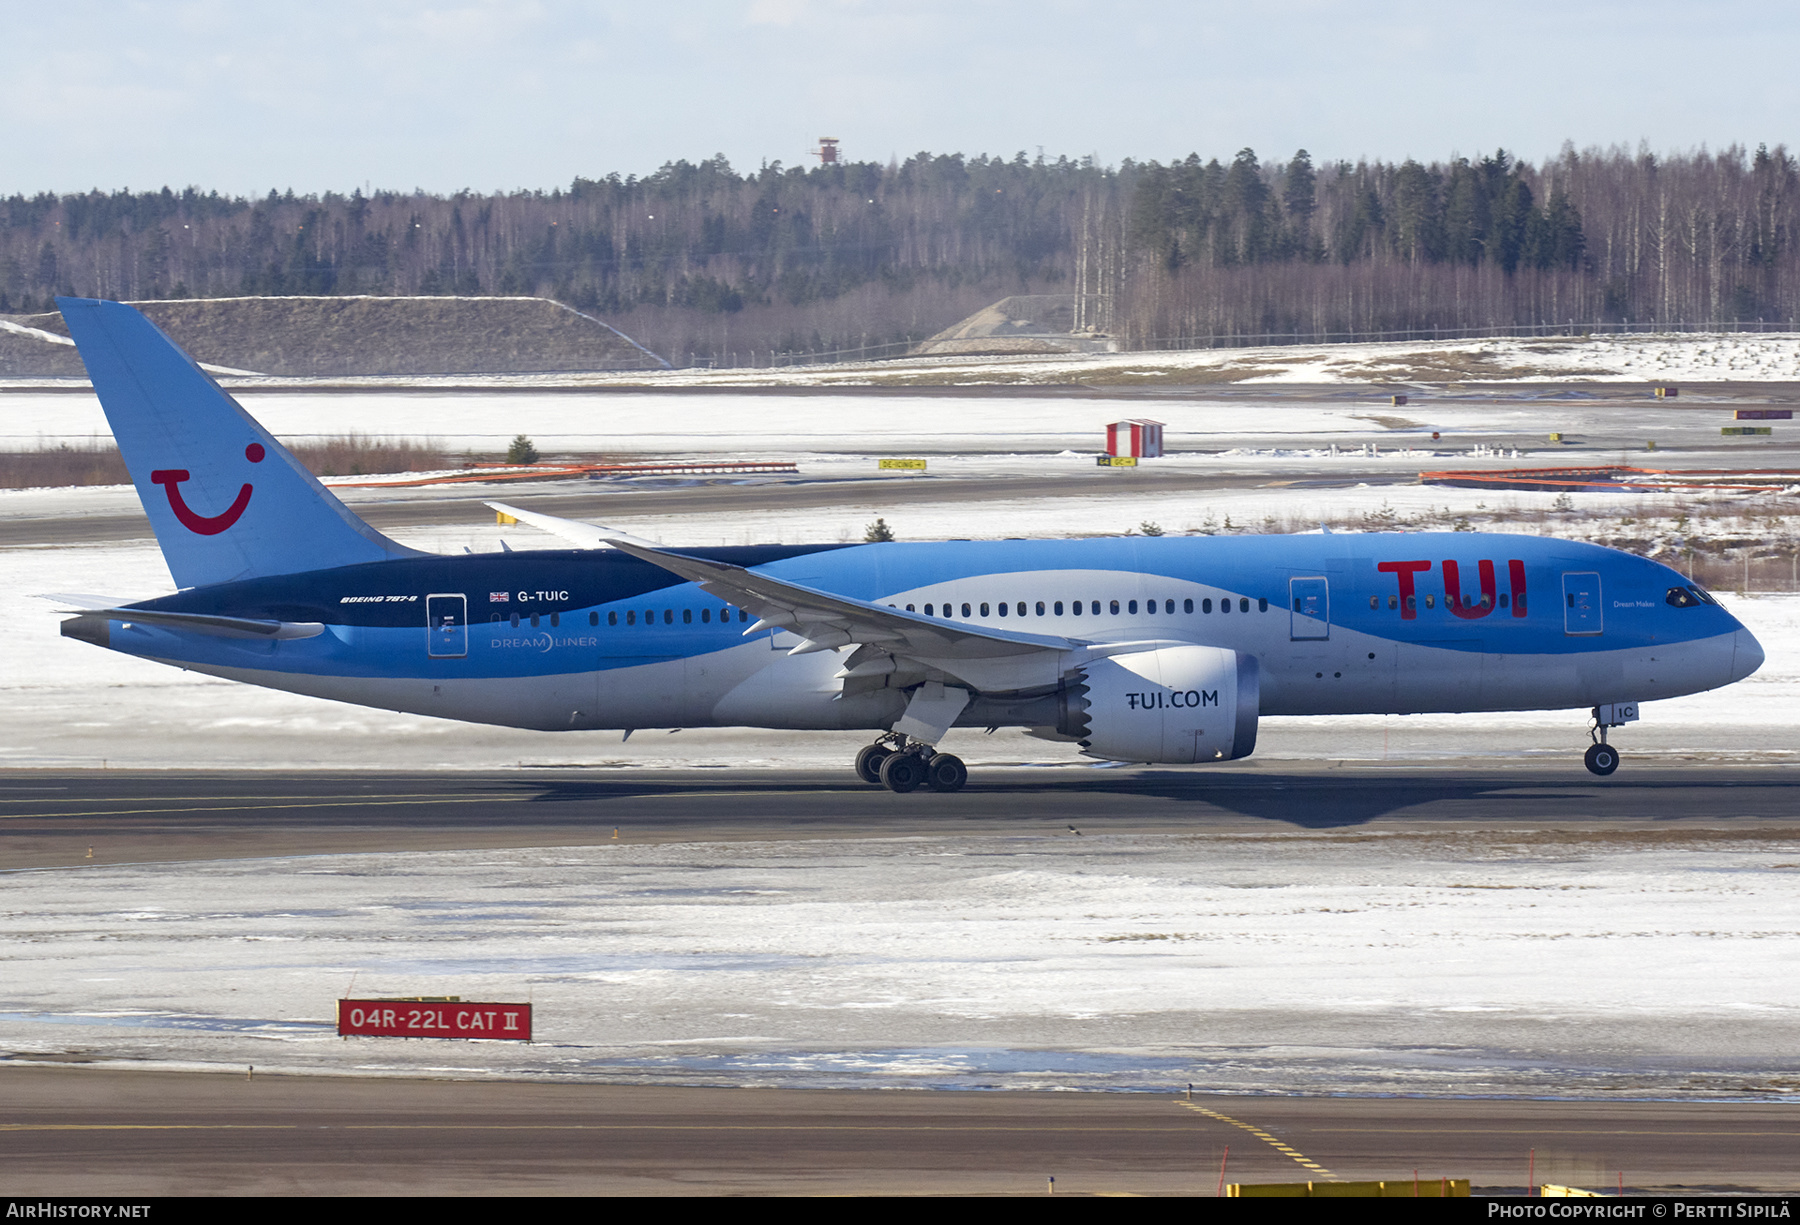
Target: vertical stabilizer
(225, 499)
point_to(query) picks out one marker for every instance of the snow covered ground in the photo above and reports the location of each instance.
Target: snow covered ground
(1441, 961)
(1635, 358)
(1668, 357)
(855, 424)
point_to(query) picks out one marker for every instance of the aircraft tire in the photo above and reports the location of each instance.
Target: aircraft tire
(1602, 759)
(868, 763)
(902, 772)
(945, 772)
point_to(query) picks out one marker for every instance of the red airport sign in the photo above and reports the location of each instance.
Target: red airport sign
(433, 1019)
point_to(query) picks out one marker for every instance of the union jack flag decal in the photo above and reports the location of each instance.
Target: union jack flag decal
(497, 597)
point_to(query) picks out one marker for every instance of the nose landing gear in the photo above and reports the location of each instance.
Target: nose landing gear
(903, 765)
(1601, 758)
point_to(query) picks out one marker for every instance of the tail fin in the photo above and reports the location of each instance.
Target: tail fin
(225, 499)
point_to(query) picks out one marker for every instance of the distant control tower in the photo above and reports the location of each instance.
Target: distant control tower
(827, 152)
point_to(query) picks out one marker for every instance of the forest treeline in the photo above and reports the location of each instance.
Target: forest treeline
(1600, 237)
(703, 263)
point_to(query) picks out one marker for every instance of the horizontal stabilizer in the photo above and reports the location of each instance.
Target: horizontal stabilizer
(204, 623)
(82, 600)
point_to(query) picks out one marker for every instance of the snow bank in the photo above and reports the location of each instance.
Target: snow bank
(1441, 961)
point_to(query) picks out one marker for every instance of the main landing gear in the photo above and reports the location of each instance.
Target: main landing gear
(906, 765)
(1601, 757)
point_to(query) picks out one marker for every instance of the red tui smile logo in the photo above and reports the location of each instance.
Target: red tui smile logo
(205, 525)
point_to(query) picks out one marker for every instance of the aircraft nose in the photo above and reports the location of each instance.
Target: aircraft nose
(1746, 654)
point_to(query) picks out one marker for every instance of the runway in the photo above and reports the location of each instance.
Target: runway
(54, 818)
(77, 1131)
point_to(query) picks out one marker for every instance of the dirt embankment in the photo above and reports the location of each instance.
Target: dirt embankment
(300, 337)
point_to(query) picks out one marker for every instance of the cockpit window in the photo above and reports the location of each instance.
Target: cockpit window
(1704, 594)
(1682, 597)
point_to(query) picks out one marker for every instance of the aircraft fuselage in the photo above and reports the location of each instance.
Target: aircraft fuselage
(1339, 624)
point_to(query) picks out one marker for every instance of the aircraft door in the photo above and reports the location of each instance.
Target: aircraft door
(447, 621)
(1581, 604)
(1311, 612)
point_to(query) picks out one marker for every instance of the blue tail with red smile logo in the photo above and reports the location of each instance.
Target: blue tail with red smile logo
(225, 499)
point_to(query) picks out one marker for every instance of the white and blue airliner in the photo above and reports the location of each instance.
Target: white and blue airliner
(1156, 650)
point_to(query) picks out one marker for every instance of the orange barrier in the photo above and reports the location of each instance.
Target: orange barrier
(1615, 479)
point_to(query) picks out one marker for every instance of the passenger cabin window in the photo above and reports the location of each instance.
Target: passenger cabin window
(1040, 608)
(966, 610)
(1114, 606)
(928, 611)
(1130, 608)
(631, 616)
(687, 616)
(612, 618)
(1187, 606)
(1206, 606)
(1057, 608)
(515, 620)
(984, 610)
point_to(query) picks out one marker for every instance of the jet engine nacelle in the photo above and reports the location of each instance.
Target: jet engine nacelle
(1176, 706)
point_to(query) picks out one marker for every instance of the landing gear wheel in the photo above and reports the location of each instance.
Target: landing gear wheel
(902, 772)
(868, 762)
(946, 773)
(1602, 759)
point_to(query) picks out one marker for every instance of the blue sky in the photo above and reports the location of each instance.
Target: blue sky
(334, 94)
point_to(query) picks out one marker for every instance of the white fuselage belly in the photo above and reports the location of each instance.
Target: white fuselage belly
(756, 684)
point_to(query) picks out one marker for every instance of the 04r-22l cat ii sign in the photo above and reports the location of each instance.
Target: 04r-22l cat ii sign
(1138, 649)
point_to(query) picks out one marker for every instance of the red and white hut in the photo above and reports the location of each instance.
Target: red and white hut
(1138, 437)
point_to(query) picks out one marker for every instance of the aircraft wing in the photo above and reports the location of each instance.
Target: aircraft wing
(826, 621)
(581, 535)
(896, 649)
